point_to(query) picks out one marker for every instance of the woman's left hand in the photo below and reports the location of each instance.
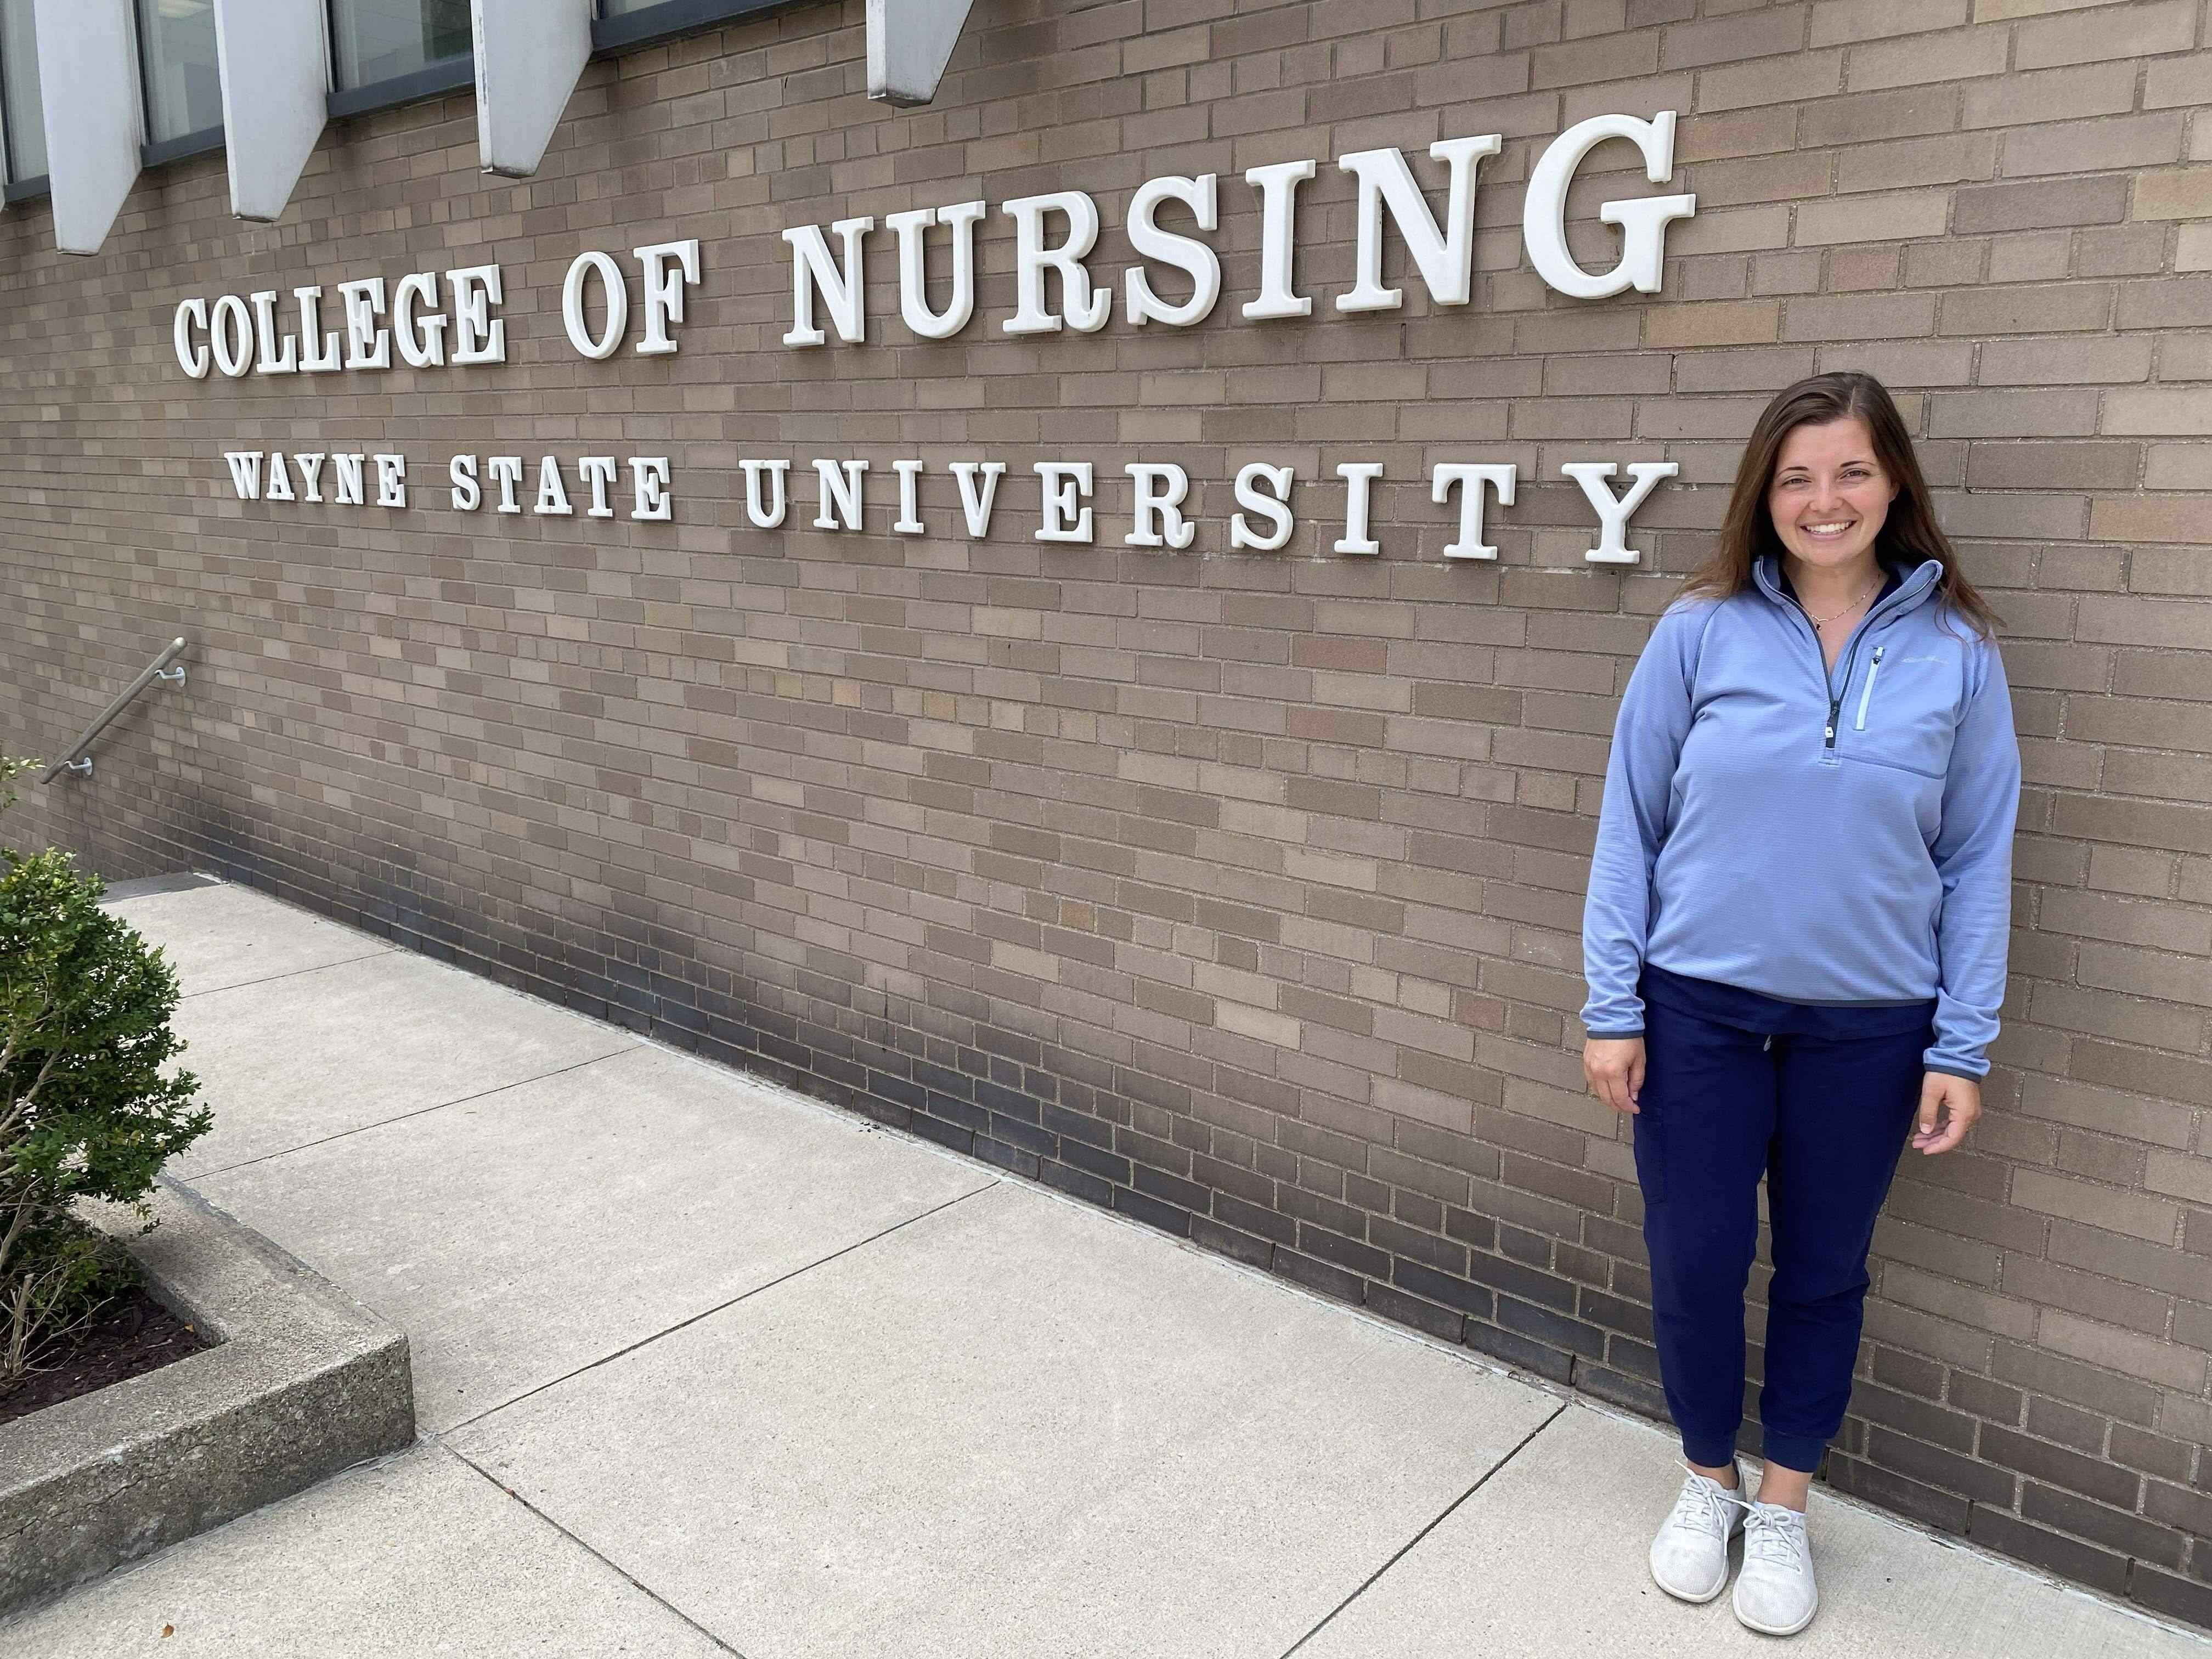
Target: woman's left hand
(1948, 1106)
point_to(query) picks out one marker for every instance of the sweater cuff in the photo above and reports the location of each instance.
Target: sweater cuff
(1632, 1031)
(1955, 1070)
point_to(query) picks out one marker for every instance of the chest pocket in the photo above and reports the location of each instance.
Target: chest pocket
(1903, 712)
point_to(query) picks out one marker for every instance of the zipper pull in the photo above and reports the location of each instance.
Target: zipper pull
(1828, 735)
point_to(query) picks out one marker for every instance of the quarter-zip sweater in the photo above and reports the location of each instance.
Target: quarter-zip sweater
(1818, 836)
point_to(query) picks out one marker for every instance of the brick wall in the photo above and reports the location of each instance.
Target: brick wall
(1237, 892)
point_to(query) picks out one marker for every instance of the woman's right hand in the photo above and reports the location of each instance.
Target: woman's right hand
(1614, 1067)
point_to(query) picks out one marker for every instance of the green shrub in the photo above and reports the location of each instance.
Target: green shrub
(85, 1006)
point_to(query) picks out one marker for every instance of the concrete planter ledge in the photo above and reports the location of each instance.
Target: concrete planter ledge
(305, 1382)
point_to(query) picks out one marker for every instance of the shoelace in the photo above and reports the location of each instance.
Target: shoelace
(1706, 1505)
(1775, 1535)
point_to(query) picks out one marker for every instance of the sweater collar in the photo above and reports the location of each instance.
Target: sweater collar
(1911, 590)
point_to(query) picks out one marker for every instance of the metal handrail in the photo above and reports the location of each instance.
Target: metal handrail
(74, 759)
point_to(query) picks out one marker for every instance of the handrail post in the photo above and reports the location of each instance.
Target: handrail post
(74, 758)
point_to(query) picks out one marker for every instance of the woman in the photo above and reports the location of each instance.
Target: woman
(1795, 941)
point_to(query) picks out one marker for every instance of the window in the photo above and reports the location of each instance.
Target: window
(625, 23)
(183, 95)
(387, 40)
(18, 86)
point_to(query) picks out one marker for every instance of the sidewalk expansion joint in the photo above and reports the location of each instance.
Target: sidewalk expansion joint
(708, 1313)
(1407, 1547)
(641, 1588)
(419, 1111)
(270, 979)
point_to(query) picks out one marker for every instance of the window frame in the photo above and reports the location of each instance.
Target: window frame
(17, 190)
(627, 31)
(155, 152)
(612, 36)
(451, 73)
(433, 79)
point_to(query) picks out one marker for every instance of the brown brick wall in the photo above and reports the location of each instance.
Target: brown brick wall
(1239, 892)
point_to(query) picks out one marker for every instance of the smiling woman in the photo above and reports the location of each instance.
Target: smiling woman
(1795, 941)
(1828, 503)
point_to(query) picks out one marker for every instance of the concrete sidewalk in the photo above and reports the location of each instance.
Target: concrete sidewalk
(704, 1368)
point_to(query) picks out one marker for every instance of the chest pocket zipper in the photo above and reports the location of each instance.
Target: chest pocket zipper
(1866, 695)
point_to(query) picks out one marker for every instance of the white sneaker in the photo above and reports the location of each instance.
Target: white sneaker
(1774, 1593)
(1689, 1556)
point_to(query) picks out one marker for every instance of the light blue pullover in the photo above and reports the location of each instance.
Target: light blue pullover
(1838, 837)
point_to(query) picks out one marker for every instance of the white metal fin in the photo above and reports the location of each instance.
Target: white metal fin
(274, 62)
(909, 42)
(530, 55)
(88, 64)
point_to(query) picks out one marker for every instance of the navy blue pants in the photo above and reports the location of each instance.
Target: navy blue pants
(1818, 1099)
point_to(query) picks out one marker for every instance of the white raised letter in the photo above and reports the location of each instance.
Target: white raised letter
(422, 345)
(192, 358)
(841, 487)
(507, 472)
(664, 290)
(279, 486)
(1359, 479)
(367, 345)
(392, 481)
(764, 515)
(1066, 491)
(271, 361)
(346, 478)
(1613, 515)
(976, 503)
(617, 303)
(232, 335)
(468, 494)
(914, 268)
(1470, 481)
(909, 522)
(245, 472)
(319, 351)
(1643, 221)
(1273, 508)
(1165, 506)
(1185, 253)
(311, 476)
(1279, 214)
(650, 474)
(599, 472)
(1446, 257)
(843, 291)
(476, 337)
(1081, 309)
(552, 493)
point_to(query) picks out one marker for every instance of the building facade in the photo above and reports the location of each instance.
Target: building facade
(1168, 767)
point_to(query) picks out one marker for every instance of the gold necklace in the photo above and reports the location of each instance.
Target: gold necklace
(1822, 621)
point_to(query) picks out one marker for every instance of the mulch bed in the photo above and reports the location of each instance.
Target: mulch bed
(137, 1335)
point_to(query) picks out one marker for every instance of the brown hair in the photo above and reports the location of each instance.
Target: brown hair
(1910, 534)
